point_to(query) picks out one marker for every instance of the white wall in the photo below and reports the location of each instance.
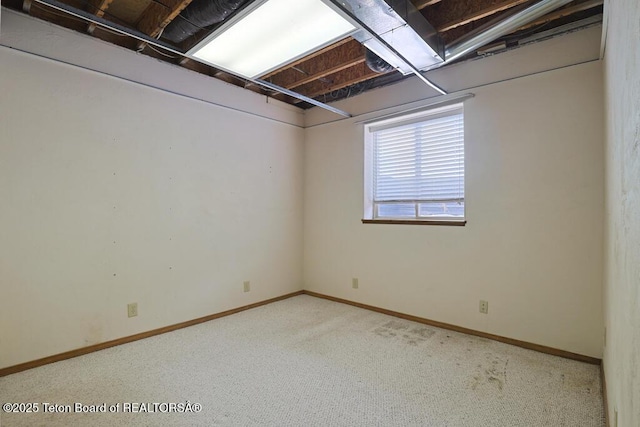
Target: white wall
(622, 219)
(113, 192)
(532, 246)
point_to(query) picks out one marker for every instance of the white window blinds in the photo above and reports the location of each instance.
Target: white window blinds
(418, 166)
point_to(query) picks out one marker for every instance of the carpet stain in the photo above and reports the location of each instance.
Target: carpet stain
(579, 383)
(492, 374)
(404, 331)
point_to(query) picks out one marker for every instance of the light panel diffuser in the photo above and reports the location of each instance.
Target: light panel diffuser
(272, 34)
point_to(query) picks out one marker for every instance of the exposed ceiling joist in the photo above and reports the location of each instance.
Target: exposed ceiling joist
(340, 80)
(156, 17)
(326, 72)
(480, 14)
(26, 6)
(421, 4)
(308, 57)
(98, 8)
(336, 59)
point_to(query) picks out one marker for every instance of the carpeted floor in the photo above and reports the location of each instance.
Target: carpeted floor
(306, 361)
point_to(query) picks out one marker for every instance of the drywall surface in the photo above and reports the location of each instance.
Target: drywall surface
(532, 246)
(622, 217)
(113, 193)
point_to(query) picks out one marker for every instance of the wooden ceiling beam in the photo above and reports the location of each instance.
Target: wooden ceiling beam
(337, 86)
(26, 6)
(421, 4)
(480, 14)
(316, 67)
(98, 8)
(561, 13)
(46, 13)
(308, 57)
(156, 17)
(339, 80)
(328, 71)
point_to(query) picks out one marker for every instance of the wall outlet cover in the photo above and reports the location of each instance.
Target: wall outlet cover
(484, 307)
(132, 309)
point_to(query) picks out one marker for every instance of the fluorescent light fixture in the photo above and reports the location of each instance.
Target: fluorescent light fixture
(269, 34)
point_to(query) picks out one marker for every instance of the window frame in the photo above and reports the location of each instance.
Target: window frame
(370, 205)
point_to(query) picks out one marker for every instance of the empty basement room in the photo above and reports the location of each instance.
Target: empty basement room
(320, 212)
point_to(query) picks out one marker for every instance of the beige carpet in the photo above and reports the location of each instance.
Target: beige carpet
(306, 361)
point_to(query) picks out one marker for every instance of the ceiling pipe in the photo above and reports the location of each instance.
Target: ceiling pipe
(496, 29)
(375, 63)
(347, 11)
(199, 14)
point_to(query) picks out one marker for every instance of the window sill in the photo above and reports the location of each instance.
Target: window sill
(414, 222)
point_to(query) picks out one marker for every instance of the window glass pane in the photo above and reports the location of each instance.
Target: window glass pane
(419, 163)
(441, 209)
(397, 210)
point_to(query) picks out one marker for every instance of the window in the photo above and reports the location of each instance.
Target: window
(415, 168)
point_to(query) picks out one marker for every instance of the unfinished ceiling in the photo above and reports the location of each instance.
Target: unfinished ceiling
(338, 71)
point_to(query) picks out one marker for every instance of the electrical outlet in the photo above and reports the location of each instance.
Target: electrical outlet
(354, 283)
(484, 307)
(132, 309)
(247, 286)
